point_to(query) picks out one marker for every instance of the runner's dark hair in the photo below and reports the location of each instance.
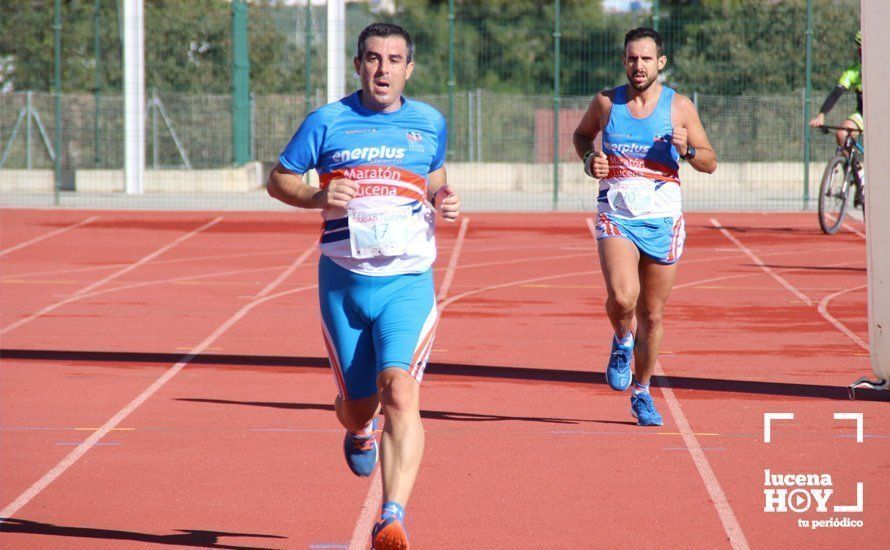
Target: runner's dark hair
(645, 32)
(383, 30)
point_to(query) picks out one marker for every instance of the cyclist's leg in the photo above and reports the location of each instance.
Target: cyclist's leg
(857, 121)
(853, 122)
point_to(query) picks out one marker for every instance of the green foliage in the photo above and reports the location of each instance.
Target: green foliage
(743, 47)
(714, 46)
(745, 59)
(503, 45)
(26, 39)
(187, 46)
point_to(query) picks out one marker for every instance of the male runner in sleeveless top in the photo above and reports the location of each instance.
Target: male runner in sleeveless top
(381, 161)
(646, 128)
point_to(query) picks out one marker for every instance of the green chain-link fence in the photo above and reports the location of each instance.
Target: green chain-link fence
(743, 62)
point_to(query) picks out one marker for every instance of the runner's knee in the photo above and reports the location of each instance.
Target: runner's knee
(650, 319)
(397, 390)
(355, 415)
(623, 299)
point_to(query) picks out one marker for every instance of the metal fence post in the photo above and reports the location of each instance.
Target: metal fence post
(307, 44)
(807, 145)
(556, 36)
(253, 131)
(28, 129)
(240, 84)
(471, 111)
(451, 82)
(96, 92)
(478, 125)
(57, 85)
(155, 158)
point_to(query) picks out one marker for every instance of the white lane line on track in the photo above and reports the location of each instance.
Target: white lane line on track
(94, 438)
(362, 532)
(48, 235)
(452, 262)
(822, 307)
(228, 258)
(718, 497)
(823, 310)
(592, 227)
(724, 510)
(781, 280)
(853, 230)
(530, 259)
(521, 282)
(373, 500)
(179, 280)
(85, 290)
(745, 275)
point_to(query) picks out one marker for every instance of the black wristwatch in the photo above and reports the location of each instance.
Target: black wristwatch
(690, 153)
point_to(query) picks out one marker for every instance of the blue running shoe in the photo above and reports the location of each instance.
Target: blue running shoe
(642, 408)
(361, 452)
(618, 371)
(389, 533)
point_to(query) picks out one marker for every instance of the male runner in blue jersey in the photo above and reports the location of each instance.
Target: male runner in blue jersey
(646, 127)
(380, 158)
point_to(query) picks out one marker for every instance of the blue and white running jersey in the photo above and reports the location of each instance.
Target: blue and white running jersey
(388, 228)
(643, 179)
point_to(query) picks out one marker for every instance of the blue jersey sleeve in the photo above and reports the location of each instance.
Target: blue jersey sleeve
(442, 139)
(304, 149)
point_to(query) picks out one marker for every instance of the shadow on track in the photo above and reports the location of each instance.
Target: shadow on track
(543, 375)
(183, 537)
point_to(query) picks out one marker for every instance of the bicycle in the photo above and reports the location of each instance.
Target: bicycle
(841, 174)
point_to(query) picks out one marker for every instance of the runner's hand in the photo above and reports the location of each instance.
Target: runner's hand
(597, 165)
(818, 121)
(447, 202)
(338, 193)
(678, 138)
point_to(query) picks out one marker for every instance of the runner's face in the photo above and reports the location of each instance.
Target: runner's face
(642, 63)
(383, 71)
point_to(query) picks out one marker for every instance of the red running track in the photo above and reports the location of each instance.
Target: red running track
(163, 381)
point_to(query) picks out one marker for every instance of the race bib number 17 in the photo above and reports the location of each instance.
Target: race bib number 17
(379, 232)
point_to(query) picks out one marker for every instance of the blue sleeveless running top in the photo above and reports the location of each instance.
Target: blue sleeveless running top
(641, 149)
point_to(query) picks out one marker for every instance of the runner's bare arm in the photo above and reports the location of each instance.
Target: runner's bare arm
(591, 124)
(442, 196)
(289, 188)
(596, 164)
(688, 130)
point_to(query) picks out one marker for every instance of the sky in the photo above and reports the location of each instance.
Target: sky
(626, 5)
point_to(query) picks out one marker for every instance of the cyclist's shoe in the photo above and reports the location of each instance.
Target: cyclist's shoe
(618, 370)
(361, 452)
(389, 533)
(642, 408)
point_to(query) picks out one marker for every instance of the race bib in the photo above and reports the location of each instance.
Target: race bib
(636, 196)
(379, 232)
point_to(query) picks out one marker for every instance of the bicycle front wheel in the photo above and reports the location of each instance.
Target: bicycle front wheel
(833, 194)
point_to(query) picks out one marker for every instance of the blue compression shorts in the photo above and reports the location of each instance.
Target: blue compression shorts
(659, 238)
(371, 323)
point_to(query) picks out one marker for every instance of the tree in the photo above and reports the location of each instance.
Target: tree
(755, 47)
(187, 46)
